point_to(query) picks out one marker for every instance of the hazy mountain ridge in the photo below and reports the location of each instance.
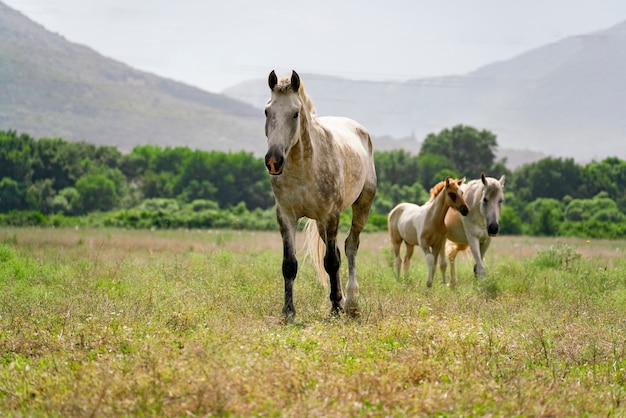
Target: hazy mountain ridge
(563, 99)
(53, 87)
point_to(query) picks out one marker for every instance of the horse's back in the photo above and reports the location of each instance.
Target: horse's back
(352, 143)
(349, 132)
(401, 221)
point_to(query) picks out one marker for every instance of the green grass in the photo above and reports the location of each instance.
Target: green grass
(178, 323)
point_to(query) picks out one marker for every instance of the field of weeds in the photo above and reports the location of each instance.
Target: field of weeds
(187, 323)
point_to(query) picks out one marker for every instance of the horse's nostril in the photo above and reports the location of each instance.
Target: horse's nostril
(274, 162)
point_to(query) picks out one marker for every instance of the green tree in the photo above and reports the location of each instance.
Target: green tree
(548, 178)
(15, 156)
(510, 221)
(432, 167)
(396, 167)
(470, 151)
(40, 195)
(544, 217)
(95, 193)
(608, 175)
(11, 195)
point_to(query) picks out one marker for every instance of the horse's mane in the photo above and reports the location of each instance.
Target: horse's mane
(436, 189)
(284, 86)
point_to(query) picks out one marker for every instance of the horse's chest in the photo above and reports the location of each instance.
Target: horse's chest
(304, 199)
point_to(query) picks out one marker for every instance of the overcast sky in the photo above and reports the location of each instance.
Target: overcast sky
(216, 44)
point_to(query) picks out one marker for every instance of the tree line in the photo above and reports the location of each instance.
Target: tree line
(51, 181)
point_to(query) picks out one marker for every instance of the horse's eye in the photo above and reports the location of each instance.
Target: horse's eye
(485, 200)
(295, 115)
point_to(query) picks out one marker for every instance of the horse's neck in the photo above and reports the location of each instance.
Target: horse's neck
(304, 150)
(473, 196)
(438, 209)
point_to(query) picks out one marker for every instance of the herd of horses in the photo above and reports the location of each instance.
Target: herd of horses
(320, 166)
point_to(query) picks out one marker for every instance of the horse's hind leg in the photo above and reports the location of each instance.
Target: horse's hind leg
(360, 213)
(407, 258)
(452, 257)
(396, 244)
(451, 252)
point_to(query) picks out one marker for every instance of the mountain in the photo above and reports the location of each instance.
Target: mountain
(564, 99)
(50, 87)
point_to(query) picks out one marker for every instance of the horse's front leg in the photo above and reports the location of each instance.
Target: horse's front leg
(431, 262)
(479, 267)
(484, 245)
(332, 262)
(290, 263)
(432, 252)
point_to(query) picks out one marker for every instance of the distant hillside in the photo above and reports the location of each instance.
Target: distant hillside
(54, 88)
(565, 99)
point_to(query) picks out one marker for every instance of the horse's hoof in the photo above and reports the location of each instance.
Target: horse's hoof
(354, 313)
(335, 313)
(288, 316)
(286, 320)
(352, 310)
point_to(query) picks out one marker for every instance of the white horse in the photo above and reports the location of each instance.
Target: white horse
(424, 225)
(318, 167)
(484, 197)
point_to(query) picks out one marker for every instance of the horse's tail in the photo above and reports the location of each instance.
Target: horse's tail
(315, 248)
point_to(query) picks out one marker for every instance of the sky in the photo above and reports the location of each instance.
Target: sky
(217, 44)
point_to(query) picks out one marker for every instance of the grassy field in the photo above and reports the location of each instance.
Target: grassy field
(187, 323)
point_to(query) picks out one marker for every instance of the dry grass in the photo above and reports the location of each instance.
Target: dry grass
(187, 323)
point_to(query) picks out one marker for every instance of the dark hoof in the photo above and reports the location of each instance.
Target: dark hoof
(288, 316)
(336, 311)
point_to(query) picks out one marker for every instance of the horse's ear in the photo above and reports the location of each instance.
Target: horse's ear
(502, 180)
(483, 178)
(295, 81)
(272, 80)
(461, 181)
(447, 181)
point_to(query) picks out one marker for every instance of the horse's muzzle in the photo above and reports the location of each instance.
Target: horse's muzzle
(274, 162)
(464, 210)
(493, 229)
